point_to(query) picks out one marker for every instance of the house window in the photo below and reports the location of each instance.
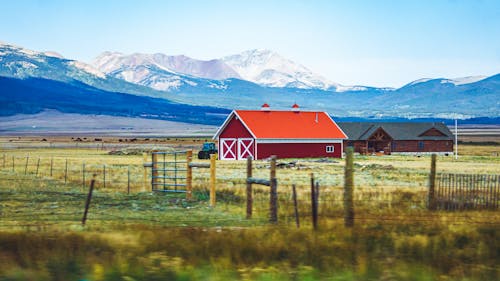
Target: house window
(330, 149)
(421, 145)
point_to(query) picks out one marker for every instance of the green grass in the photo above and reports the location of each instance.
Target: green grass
(159, 236)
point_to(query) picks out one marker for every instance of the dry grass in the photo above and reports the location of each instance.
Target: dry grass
(149, 236)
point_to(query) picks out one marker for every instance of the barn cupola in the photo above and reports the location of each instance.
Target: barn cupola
(265, 107)
(295, 108)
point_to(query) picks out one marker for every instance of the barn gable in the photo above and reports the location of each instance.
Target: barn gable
(285, 133)
(235, 128)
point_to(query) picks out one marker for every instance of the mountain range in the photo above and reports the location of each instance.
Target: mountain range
(244, 80)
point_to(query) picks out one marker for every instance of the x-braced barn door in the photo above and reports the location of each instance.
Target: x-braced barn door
(169, 171)
(245, 148)
(228, 149)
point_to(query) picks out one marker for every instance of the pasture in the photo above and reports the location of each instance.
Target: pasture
(134, 234)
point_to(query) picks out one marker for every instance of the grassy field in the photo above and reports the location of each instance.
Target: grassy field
(156, 236)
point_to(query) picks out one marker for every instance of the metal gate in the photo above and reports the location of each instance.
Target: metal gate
(168, 171)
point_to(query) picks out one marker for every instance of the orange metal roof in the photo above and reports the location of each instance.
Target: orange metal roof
(290, 125)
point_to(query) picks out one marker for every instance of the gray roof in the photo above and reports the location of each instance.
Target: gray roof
(397, 130)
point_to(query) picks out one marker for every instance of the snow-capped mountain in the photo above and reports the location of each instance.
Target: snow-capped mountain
(19, 62)
(160, 71)
(454, 81)
(276, 81)
(268, 68)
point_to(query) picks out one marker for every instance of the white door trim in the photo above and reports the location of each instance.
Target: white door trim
(226, 148)
(246, 148)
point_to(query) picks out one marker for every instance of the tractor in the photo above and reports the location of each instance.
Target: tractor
(208, 148)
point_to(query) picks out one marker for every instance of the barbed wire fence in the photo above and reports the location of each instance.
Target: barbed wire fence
(65, 181)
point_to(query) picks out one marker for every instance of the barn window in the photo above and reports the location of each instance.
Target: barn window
(330, 149)
(421, 145)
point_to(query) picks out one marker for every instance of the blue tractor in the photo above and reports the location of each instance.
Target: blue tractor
(208, 148)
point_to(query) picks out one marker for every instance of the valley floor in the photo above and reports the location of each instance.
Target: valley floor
(53, 123)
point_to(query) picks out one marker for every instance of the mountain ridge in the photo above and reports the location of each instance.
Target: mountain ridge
(467, 97)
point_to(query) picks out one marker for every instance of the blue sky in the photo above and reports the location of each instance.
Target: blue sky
(376, 43)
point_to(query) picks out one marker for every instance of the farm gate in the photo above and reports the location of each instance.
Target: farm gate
(168, 171)
(173, 172)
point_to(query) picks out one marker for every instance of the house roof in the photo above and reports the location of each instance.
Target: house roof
(397, 130)
(285, 124)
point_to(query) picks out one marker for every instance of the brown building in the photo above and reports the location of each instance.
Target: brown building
(367, 137)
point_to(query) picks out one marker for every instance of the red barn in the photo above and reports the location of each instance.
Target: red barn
(284, 133)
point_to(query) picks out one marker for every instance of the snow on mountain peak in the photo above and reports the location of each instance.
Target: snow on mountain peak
(454, 81)
(25, 61)
(421, 80)
(180, 64)
(53, 54)
(467, 79)
(87, 68)
(265, 67)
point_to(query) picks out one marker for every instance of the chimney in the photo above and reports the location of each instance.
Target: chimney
(265, 107)
(295, 108)
(316, 117)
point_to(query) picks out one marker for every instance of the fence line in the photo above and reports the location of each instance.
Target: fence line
(452, 191)
(467, 191)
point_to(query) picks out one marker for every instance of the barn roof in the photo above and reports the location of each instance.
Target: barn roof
(397, 130)
(285, 124)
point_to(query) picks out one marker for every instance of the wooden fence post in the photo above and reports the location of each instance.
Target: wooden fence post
(51, 165)
(314, 206)
(273, 208)
(189, 175)
(296, 208)
(89, 198)
(37, 167)
(348, 188)
(145, 178)
(316, 195)
(432, 184)
(13, 165)
(66, 172)
(26, 167)
(212, 180)
(249, 188)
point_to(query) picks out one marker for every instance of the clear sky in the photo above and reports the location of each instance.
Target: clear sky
(375, 43)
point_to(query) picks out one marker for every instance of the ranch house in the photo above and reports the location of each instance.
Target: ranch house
(389, 137)
(285, 133)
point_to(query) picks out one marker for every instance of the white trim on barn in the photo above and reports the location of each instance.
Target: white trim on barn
(226, 122)
(223, 126)
(246, 148)
(339, 128)
(223, 145)
(244, 125)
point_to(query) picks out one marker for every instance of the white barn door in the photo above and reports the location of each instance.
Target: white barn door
(228, 149)
(245, 148)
